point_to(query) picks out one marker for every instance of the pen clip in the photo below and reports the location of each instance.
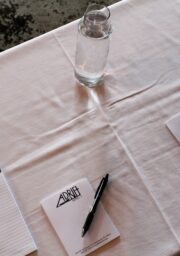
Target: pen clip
(99, 187)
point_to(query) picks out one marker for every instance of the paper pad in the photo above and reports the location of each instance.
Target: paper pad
(67, 210)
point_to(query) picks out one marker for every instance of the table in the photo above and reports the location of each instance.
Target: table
(54, 131)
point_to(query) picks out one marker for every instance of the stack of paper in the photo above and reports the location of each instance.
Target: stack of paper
(15, 238)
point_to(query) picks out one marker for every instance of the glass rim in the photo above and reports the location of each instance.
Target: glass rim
(99, 7)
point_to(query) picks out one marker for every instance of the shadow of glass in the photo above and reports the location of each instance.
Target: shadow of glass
(99, 93)
(82, 92)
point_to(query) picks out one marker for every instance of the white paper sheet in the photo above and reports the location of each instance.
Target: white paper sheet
(174, 126)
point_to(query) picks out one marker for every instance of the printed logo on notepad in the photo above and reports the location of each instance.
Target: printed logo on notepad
(69, 195)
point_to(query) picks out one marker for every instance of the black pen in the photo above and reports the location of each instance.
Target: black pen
(97, 198)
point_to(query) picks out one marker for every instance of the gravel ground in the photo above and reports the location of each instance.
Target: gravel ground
(21, 20)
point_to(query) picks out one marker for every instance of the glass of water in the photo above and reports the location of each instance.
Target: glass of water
(92, 45)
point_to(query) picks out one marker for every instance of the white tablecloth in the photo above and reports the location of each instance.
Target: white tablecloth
(54, 131)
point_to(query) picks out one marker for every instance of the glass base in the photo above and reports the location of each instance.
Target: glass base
(89, 81)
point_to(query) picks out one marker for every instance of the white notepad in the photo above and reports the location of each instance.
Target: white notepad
(174, 126)
(15, 238)
(67, 210)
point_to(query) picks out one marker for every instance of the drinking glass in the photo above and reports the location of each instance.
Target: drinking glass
(92, 46)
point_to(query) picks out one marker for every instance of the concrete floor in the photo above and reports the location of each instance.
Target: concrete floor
(21, 20)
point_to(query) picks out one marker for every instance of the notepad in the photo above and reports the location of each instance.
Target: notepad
(67, 210)
(15, 238)
(174, 126)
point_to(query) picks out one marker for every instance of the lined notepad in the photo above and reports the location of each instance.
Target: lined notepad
(15, 238)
